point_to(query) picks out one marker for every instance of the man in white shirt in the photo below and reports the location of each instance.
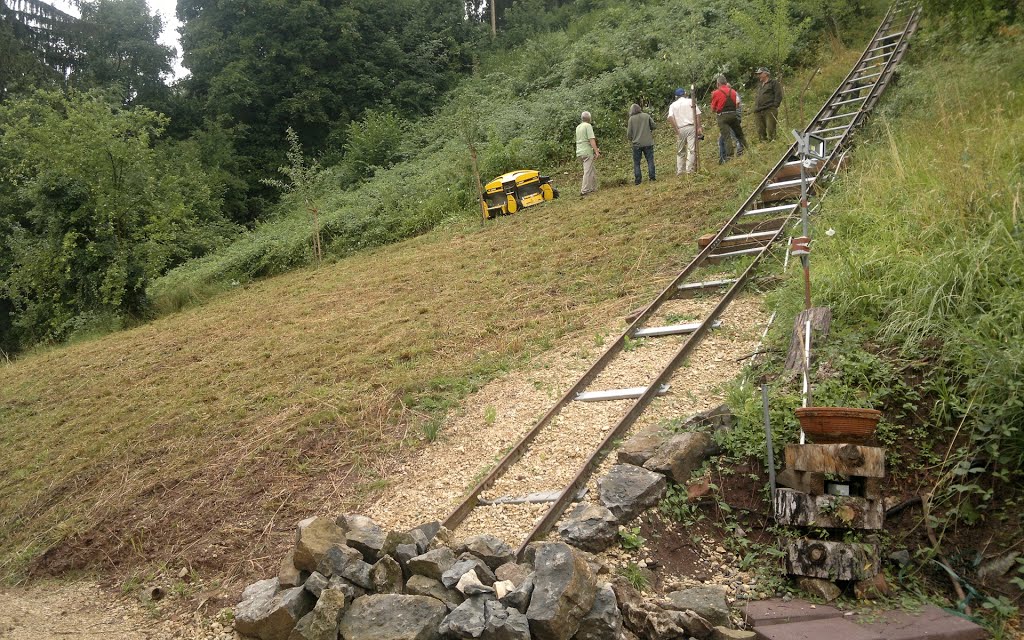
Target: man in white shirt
(681, 117)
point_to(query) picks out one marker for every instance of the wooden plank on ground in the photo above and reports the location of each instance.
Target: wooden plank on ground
(847, 459)
(831, 560)
(794, 508)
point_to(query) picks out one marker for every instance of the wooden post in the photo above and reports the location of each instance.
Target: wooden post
(494, 20)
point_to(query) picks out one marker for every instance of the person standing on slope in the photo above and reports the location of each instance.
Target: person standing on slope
(587, 151)
(681, 117)
(725, 103)
(640, 133)
(766, 105)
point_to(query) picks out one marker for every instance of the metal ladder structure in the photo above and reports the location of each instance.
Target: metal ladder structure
(750, 233)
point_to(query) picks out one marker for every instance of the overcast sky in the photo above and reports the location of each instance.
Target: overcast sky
(166, 10)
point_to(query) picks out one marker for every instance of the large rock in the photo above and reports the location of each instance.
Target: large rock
(392, 617)
(316, 583)
(680, 456)
(393, 540)
(652, 621)
(289, 575)
(269, 613)
(707, 601)
(467, 620)
(443, 538)
(433, 564)
(322, 622)
(313, 538)
(590, 527)
(364, 535)
(514, 573)
(350, 590)
(563, 592)
(642, 447)
(824, 589)
(467, 562)
(505, 624)
(429, 530)
(493, 551)
(725, 633)
(424, 586)
(348, 563)
(626, 490)
(387, 576)
(520, 598)
(604, 621)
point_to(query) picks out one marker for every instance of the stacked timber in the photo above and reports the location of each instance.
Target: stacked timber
(832, 488)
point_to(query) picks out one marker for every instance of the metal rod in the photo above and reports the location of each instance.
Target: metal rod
(768, 442)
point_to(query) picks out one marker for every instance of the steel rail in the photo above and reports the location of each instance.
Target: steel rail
(670, 292)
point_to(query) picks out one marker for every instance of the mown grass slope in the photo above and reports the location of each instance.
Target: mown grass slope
(205, 435)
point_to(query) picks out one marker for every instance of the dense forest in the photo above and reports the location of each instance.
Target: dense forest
(123, 195)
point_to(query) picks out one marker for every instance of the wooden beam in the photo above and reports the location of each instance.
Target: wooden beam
(847, 459)
(803, 481)
(794, 508)
(830, 560)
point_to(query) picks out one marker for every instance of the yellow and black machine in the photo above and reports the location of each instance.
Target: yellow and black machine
(516, 190)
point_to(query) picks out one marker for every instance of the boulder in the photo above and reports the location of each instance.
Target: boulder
(680, 456)
(420, 540)
(505, 624)
(514, 573)
(467, 620)
(707, 601)
(316, 583)
(273, 585)
(443, 538)
(387, 576)
(271, 614)
(364, 535)
(642, 447)
(429, 530)
(467, 562)
(470, 585)
(348, 563)
(322, 622)
(313, 538)
(289, 575)
(651, 621)
(392, 617)
(626, 490)
(493, 551)
(824, 589)
(395, 538)
(604, 621)
(872, 588)
(563, 592)
(502, 588)
(590, 527)
(520, 598)
(424, 586)
(350, 590)
(432, 564)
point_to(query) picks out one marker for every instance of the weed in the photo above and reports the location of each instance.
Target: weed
(490, 415)
(630, 538)
(635, 576)
(632, 344)
(677, 506)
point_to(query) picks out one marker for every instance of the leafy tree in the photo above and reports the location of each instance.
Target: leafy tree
(769, 33)
(374, 142)
(117, 41)
(92, 206)
(303, 179)
(975, 18)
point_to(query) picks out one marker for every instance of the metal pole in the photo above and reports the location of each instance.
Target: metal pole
(768, 440)
(805, 218)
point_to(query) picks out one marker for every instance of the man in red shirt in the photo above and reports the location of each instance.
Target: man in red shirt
(725, 102)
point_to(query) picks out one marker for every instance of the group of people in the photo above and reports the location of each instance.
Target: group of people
(685, 118)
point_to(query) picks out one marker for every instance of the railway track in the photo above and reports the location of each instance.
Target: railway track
(750, 235)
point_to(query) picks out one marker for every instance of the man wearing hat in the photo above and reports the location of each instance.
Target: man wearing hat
(687, 128)
(766, 105)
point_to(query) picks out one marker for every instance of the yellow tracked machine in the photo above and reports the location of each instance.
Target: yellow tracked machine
(516, 190)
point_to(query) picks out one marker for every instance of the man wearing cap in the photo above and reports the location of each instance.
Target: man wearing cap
(766, 105)
(725, 102)
(681, 117)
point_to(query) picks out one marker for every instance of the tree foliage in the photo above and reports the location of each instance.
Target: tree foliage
(92, 207)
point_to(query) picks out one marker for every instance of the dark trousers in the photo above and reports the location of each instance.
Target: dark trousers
(729, 126)
(648, 152)
(766, 121)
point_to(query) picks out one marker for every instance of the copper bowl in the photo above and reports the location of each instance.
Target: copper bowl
(838, 424)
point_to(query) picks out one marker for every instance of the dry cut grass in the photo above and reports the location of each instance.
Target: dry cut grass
(202, 437)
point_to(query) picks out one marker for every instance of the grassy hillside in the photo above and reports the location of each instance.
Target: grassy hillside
(519, 109)
(197, 435)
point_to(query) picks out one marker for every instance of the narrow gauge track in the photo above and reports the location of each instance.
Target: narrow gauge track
(750, 233)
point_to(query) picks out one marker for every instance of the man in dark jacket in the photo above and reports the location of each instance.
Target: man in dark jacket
(766, 105)
(640, 132)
